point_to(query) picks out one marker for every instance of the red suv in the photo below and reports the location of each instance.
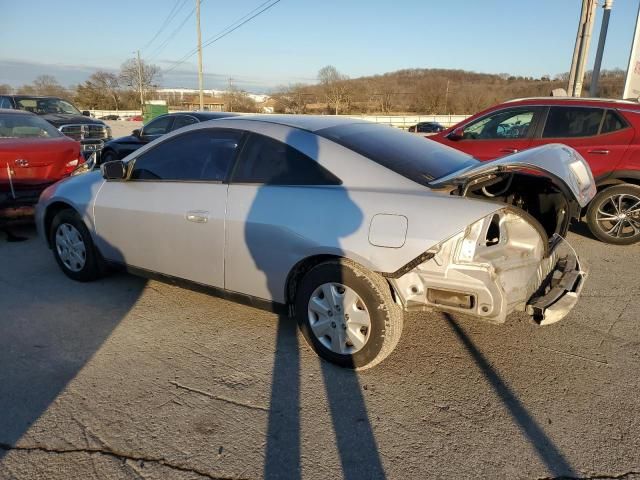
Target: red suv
(605, 132)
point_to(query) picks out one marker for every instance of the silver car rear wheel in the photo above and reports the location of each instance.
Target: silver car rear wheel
(339, 318)
(70, 247)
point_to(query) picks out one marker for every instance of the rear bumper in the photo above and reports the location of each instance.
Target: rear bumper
(559, 291)
(20, 206)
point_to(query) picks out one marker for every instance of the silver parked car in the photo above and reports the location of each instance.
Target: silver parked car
(346, 222)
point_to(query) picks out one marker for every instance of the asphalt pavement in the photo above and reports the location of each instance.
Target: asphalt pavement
(126, 378)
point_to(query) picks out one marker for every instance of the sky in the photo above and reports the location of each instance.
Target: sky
(291, 41)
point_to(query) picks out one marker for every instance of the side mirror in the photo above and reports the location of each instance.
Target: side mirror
(114, 170)
(456, 134)
(136, 132)
(86, 113)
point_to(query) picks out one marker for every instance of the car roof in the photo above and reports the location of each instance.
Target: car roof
(601, 102)
(203, 116)
(311, 123)
(33, 96)
(15, 112)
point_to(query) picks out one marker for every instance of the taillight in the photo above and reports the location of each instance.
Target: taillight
(72, 165)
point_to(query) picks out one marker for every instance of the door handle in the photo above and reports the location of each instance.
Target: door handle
(599, 152)
(197, 216)
(509, 150)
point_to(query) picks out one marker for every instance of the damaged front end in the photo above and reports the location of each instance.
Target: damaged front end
(500, 264)
(516, 258)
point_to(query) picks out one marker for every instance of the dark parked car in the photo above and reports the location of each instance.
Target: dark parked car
(605, 132)
(118, 148)
(427, 127)
(65, 117)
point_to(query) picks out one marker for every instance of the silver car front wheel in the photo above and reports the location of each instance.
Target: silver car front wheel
(339, 318)
(73, 247)
(70, 246)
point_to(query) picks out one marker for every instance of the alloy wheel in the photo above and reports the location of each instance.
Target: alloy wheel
(619, 216)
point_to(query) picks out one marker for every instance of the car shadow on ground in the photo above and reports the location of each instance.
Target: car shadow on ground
(355, 441)
(544, 447)
(49, 330)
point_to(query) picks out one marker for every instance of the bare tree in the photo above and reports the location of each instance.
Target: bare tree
(238, 101)
(101, 90)
(48, 85)
(139, 78)
(335, 86)
(5, 88)
(292, 99)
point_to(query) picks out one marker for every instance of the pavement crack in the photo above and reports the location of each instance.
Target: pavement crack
(219, 397)
(575, 355)
(595, 476)
(122, 456)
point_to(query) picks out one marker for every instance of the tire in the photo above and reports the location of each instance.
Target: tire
(108, 156)
(73, 247)
(370, 343)
(613, 215)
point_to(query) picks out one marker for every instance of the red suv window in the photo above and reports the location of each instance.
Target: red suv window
(564, 122)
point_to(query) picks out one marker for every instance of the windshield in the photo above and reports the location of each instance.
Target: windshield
(42, 106)
(26, 126)
(414, 157)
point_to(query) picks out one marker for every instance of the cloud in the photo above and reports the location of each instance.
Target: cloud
(20, 72)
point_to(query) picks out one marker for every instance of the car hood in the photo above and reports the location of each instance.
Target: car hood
(562, 164)
(59, 119)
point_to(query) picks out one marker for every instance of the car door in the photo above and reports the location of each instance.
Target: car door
(277, 195)
(508, 130)
(600, 135)
(169, 216)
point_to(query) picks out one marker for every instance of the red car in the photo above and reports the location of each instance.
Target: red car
(605, 132)
(33, 155)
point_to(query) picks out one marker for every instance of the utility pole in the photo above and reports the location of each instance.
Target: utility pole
(446, 99)
(140, 83)
(199, 55)
(595, 76)
(581, 49)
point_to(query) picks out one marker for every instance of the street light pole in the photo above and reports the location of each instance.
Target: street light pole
(595, 76)
(199, 55)
(581, 50)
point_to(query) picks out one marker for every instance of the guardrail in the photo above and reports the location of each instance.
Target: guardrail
(400, 121)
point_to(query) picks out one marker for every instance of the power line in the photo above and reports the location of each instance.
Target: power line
(174, 11)
(193, 51)
(162, 46)
(226, 31)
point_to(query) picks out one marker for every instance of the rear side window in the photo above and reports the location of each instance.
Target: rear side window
(567, 122)
(5, 103)
(267, 161)
(411, 156)
(183, 121)
(612, 122)
(204, 155)
(159, 126)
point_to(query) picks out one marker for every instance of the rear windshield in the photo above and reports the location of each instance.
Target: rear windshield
(26, 126)
(414, 157)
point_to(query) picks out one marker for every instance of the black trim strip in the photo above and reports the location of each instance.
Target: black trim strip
(409, 266)
(237, 297)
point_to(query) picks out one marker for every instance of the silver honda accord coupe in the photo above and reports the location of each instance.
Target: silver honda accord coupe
(342, 223)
